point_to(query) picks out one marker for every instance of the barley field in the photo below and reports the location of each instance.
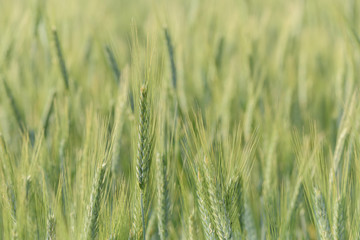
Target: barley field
(181, 119)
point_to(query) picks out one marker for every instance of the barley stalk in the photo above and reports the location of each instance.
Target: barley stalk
(143, 214)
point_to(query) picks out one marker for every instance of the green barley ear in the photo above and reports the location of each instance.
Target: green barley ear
(321, 216)
(219, 54)
(234, 200)
(204, 209)
(47, 112)
(163, 196)
(145, 148)
(60, 57)
(145, 144)
(51, 225)
(339, 222)
(171, 56)
(192, 227)
(136, 229)
(113, 63)
(18, 116)
(218, 208)
(91, 223)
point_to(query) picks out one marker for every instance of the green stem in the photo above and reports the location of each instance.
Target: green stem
(142, 213)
